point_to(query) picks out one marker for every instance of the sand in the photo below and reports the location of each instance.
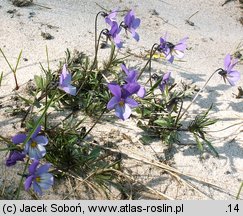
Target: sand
(216, 32)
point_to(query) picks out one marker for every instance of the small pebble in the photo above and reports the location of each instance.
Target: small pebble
(47, 36)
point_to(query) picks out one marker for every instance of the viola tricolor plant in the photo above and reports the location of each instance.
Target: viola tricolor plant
(33, 150)
(159, 109)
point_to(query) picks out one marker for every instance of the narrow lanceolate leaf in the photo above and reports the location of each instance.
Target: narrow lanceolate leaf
(39, 120)
(199, 143)
(161, 122)
(211, 147)
(39, 82)
(156, 84)
(146, 140)
(1, 78)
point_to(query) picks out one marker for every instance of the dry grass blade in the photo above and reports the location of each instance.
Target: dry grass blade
(172, 171)
(179, 173)
(159, 194)
(180, 179)
(81, 181)
(156, 192)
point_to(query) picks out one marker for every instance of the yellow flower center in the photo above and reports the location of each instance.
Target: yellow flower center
(33, 144)
(38, 179)
(121, 103)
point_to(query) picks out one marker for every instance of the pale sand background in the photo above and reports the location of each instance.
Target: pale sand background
(217, 32)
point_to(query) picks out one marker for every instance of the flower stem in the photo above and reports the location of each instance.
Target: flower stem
(5, 140)
(96, 19)
(94, 123)
(197, 95)
(96, 41)
(177, 118)
(46, 87)
(22, 178)
(152, 52)
(67, 117)
(9, 148)
(96, 49)
(29, 137)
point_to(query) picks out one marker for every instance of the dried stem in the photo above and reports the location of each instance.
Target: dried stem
(152, 52)
(197, 94)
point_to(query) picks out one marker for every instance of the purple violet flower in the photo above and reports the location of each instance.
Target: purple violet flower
(131, 24)
(13, 157)
(111, 17)
(39, 177)
(114, 34)
(164, 81)
(35, 146)
(65, 82)
(170, 50)
(228, 73)
(121, 101)
(131, 80)
(16, 155)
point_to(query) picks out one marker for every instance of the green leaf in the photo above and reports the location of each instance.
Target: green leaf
(199, 143)
(1, 78)
(146, 140)
(94, 153)
(211, 147)
(27, 101)
(155, 85)
(103, 177)
(39, 82)
(161, 122)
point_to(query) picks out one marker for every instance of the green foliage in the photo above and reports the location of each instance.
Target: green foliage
(197, 128)
(160, 116)
(92, 95)
(68, 148)
(13, 69)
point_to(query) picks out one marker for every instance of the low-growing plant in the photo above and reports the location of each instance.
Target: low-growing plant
(85, 85)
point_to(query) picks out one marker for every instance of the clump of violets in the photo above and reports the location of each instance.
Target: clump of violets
(171, 50)
(131, 23)
(121, 101)
(131, 81)
(115, 29)
(65, 82)
(164, 81)
(232, 76)
(39, 177)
